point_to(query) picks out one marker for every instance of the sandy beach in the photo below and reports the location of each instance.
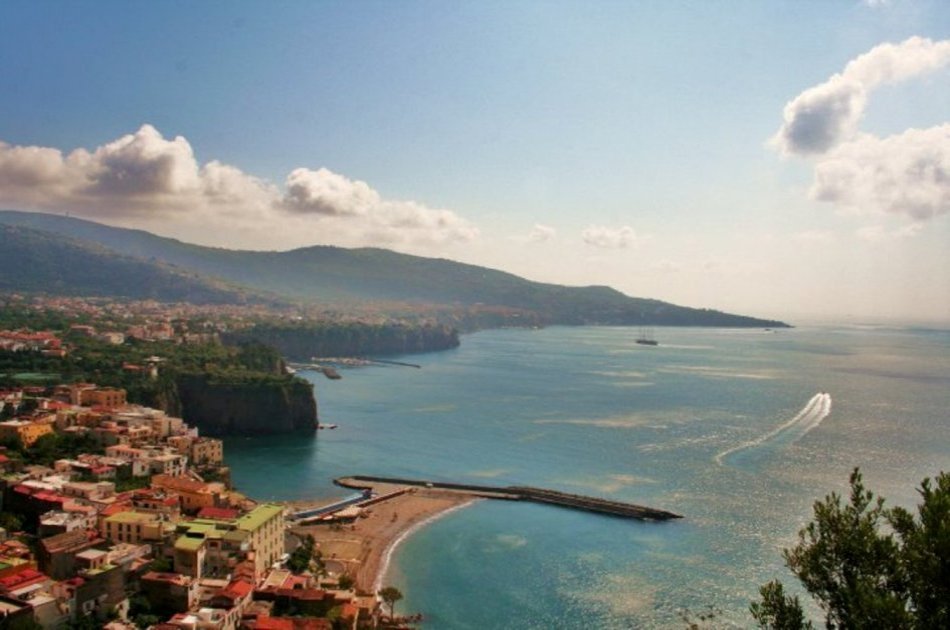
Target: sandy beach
(362, 548)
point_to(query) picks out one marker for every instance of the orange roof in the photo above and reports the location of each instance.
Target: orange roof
(237, 588)
(115, 508)
(216, 513)
(180, 484)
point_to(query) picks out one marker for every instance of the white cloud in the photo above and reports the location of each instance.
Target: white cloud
(143, 176)
(827, 114)
(906, 174)
(609, 238)
(541, 233)
(139, 165)
(325, 192)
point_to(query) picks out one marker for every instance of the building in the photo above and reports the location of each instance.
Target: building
(215, 546)
(25, 431)
(157, 501)
(167, 463)
(194, 495)
(57, 554)
(134, 528)
(170, 593)
(88, 395)
(207, 452)
(56, 522)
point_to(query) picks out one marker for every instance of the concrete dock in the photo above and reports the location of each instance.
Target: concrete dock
(521, 493)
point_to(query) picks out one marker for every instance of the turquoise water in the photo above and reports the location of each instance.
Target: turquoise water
(740, 431)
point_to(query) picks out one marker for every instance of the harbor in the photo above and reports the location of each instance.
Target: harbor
(520, 493)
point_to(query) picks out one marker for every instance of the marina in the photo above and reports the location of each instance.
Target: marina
(521, 493)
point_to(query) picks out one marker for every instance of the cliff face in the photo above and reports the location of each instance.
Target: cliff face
(221, 407)
(334, 339)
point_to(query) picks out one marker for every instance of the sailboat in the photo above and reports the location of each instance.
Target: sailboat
(646, 338)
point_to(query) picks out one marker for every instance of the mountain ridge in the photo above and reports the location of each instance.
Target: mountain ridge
(330, 273)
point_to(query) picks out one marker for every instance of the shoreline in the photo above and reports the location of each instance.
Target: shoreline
(364, 548)
(386, 557)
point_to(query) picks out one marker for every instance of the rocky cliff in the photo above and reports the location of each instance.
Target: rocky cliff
(301, 342)
(247, 406)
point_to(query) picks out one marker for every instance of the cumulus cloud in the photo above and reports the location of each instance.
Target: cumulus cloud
(541, 233)
(609, 238)
(143, 164)
(827, 114)
(906, 174)
(146, 176)
(325, 192)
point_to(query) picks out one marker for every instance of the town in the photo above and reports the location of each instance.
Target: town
(118, 515)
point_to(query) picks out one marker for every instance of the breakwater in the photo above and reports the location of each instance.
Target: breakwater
(521, 493)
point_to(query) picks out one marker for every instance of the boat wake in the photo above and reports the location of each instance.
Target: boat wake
(807, 419)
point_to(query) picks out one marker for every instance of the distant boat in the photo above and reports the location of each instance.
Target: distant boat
(646, 338)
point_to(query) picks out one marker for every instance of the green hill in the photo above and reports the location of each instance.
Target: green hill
(374, 275)
(38, 261)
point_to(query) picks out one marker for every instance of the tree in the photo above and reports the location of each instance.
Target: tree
(11, 522)
(390, 595)
(778, 610)
(925, 557)
(20, 623)
(299, 560)
(863, 577)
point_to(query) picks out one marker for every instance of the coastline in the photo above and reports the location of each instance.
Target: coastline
(382, 567)
(364, 548)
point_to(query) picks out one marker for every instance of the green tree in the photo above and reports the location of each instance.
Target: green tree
(299, 560)
(162, 564)
(20, 623)
(778, 610)
(11, 522)
(925, 557)
(863, 577)
(391, 595)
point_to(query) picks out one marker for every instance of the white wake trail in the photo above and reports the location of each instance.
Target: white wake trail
(817, 409)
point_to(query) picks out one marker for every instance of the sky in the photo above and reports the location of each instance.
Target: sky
(781, 159)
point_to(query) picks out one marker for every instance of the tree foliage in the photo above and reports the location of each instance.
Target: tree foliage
(868, 566)
(299, 560)
(390, 595)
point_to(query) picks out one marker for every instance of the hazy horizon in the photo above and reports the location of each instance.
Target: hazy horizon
(776, 160)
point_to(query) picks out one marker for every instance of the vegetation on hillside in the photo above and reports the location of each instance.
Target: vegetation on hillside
(301, 341)
(34, 260)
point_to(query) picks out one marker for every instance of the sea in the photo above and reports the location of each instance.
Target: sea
(738, 430)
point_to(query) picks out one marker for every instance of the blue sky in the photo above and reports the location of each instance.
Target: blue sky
(584, 143)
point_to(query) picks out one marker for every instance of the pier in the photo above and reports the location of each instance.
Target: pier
(520, 493)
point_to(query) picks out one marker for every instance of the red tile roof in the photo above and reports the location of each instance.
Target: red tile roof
(217, 513)
(23, 578)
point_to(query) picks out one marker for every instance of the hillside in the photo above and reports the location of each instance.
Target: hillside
(33, 260)
(369, 274)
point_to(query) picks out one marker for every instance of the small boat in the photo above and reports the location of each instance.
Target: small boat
(646, 338)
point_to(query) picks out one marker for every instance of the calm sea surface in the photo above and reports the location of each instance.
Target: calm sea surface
(739, 430)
